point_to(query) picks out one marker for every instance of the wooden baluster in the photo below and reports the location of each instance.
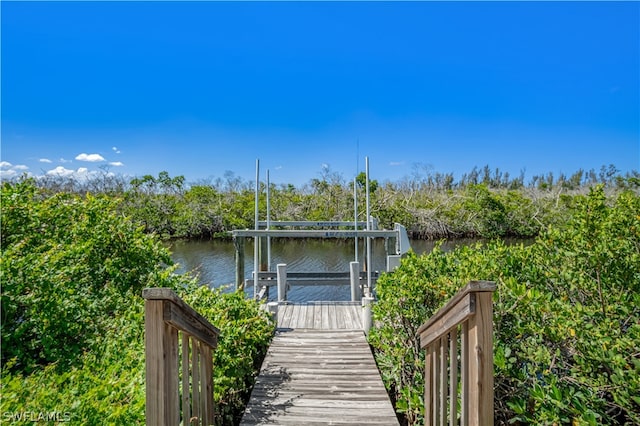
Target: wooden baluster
(453, 377)
(195, 368)
(436, 381)
(204, 398)
(186, 376)
(444, 345)
(208, 384)
(171, 364)
(428, 385)
(464, 374)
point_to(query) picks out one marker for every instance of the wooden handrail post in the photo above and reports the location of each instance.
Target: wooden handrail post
(468, 316)
(480, 356)
(157, 343)
(166, 315)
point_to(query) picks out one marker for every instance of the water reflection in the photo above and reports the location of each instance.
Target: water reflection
(214, 261)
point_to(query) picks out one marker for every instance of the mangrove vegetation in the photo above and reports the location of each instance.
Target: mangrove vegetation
(77, 254)
(566, 318)
(484, 202)
(73, 270)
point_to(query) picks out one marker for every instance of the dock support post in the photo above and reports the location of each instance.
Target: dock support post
(367, 316)
(282, 281)
(393, 261)
(356, 293)
(238, 243)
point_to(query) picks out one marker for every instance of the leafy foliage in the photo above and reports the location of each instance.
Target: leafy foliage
(483, 203)
(566, 318)
(69, 264)
(73, 269)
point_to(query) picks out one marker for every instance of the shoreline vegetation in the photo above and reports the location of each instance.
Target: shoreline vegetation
(483, 203)
(76, 255)
(566, 318)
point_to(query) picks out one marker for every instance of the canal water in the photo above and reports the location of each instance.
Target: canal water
(214, 262)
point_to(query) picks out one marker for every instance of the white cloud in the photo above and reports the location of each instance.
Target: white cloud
(82, 173)
(7, 174)
(9, 171)
(116, 164)
(63, 161)
(45, 160)
(116, 150)
(60, 171)
(92, 158)
(396, 163)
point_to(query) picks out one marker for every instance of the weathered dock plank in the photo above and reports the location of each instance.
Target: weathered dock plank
(319, 377)
(320, 315)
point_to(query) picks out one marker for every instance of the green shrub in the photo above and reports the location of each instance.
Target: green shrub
(73, 270)
(69, 265)
(566, 318)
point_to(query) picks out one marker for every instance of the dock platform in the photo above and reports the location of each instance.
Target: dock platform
(319, 370)
(320, 315)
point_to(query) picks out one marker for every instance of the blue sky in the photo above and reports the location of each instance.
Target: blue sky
(200, 88)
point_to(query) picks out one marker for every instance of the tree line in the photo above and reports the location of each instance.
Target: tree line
(484, 202)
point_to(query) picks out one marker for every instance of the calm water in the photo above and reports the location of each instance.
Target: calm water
(214, 262)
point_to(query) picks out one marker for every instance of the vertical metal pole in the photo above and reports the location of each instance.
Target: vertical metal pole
(355, 217)
(256, 264)
(268, 226)
(368, 229)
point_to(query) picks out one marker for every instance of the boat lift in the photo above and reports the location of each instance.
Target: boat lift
(262, 277)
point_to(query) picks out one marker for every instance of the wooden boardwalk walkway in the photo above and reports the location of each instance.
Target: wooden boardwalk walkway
(321, 315)
(319, 370)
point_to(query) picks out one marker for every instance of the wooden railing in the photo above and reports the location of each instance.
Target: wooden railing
(178, 342)
(459, 359)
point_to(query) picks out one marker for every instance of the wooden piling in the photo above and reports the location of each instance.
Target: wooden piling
(238, 243)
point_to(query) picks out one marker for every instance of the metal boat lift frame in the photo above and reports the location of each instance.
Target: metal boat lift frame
(264, 231)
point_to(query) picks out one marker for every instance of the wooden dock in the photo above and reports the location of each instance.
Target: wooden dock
(320, 315)
(319, 370)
